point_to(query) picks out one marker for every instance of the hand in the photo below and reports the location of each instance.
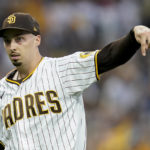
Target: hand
(142, 36)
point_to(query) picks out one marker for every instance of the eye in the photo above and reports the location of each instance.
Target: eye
(19, 39)
(7, 41)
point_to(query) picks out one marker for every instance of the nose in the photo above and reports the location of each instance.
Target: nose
(12, 45)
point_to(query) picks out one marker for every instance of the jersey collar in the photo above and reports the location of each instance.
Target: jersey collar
(10, 75)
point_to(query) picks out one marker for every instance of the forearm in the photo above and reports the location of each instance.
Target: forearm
(117, 53)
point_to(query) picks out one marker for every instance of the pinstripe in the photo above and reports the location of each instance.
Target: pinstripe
(74, 55)
(18, 131)
(39, 117)
(49, 108)
(29, 120)
(62, 113)
(73, 111)
(36, 126)
(65, 104)
(60, 65)
(72, 116)
(64, 100)
(75, 68)
(6, 138)
(9, 95)
(13, 144)
(52, 117)
(14, 127)
(34, 120)
(77, 74)
(85, 136)
(19, 135)
(46, 121)
(15, 138)
(24, 123)
(2, 88)
(77, 86)
(65, 81)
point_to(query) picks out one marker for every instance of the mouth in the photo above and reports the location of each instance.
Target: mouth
(14, 56)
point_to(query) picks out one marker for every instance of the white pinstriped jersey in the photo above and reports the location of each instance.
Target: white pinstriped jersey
(46, 111)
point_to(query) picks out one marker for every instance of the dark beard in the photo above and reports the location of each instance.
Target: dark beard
(15, 63)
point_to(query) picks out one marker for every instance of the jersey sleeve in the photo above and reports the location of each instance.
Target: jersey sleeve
(78, 71)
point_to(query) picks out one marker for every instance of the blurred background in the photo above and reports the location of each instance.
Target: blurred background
(118, 106)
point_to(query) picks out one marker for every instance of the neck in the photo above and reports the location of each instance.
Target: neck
(26, 69)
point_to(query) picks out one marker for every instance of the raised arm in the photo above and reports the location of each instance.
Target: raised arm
(120, 51)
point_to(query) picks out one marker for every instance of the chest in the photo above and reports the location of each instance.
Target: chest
(39, 95)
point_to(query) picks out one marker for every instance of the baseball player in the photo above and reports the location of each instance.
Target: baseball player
(41, 105)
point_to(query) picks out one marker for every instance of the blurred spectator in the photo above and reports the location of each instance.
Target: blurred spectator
(34, 7)
(120, 92)
(145, 12)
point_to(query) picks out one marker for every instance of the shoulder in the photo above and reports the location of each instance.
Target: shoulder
(74, 57)
(51, 60)
(68, 58)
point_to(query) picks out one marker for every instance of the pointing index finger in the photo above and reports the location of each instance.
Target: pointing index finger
(143, 45)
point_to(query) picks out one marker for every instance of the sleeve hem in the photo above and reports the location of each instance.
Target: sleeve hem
(96, 65)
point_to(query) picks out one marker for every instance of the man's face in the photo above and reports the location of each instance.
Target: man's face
(20, 46)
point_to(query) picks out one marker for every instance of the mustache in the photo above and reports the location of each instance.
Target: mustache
(14, 54)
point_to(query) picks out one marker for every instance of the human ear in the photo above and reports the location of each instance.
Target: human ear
(38, 40)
